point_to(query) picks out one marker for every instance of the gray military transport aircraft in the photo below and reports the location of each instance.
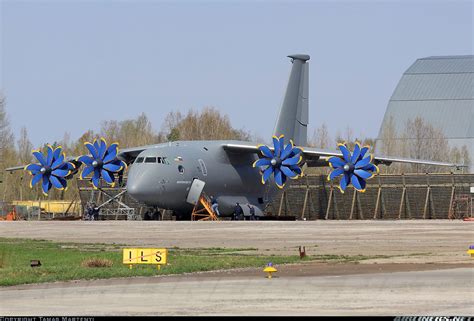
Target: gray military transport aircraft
(173, 175)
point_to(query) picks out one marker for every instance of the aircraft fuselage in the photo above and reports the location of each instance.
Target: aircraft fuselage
(162, 176)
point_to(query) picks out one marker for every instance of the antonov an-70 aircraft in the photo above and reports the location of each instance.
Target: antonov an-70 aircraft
(173, 175)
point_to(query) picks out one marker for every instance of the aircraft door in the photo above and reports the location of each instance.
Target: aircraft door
(195, 191)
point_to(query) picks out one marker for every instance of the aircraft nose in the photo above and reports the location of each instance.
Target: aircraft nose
(137, 185)
(133, 189)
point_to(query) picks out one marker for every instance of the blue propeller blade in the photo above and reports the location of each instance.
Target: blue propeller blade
(86, 160)
(49, 155)
(345, 180)
(345, 153)
(363, 174)
(96, 144)
(266, 174)
(86, 171)
(33, 168)
(364, 162)
(296, 169)
(61, 172)
(111, 153)
(287, 151)
(92, 149)
(102, 148)
(278, 178)
(335, 173)
(336, 162)
(46, 185)
(111, 167)
(296, 151)
(108, 177)
(356, 182)
(96, 178)
(58, 161)
(276, 146)
(36, 179)
(281, 139)
(355, 153)
(292, 161)
(288, 172)
(40, 157)
(58, 152)
(56, 183)
(363, 151)
(266, 151)
(371, 167)
(262, 162)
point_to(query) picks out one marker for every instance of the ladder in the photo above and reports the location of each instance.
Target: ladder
(202, 211)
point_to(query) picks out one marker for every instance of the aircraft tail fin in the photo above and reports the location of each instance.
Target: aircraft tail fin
(293, 117)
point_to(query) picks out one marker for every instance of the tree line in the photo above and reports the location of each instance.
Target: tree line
(207, 124)
(418, 140)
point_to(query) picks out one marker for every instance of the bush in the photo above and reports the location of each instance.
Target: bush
(96, 262)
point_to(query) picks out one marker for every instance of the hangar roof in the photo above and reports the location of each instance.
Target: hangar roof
(441, 91)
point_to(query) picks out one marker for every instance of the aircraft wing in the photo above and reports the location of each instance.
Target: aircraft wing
(22, 167)
(315, 157)
(128, 155)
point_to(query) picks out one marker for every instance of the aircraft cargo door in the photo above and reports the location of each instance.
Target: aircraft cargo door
(195, 191)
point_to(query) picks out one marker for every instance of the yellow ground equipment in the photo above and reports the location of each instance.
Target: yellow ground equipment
(53, 207)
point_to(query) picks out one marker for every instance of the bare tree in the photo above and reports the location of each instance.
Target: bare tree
(466, 159)
(321, 138)
(209, 124)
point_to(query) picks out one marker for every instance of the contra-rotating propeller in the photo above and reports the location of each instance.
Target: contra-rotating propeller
(102, 162)
(354, 168)
(283, 162)
(52, 169)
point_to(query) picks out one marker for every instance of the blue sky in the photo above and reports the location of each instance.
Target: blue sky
(68, 65)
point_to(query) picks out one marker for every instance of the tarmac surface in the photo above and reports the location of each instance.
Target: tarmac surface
(407, 241)
(436, 292)
(427, 271)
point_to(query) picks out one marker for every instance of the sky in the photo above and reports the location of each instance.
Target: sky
(69, 65)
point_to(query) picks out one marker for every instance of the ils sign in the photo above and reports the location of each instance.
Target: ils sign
(144, 256)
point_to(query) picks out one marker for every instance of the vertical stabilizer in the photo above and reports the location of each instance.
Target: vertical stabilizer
(293, 117)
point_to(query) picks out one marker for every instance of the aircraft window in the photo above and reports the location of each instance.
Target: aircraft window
(181, 169)
(159, 160)
(150, 160)
(164, 160)
(139, 160)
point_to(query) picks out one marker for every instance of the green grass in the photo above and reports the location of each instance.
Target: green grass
(62, 261)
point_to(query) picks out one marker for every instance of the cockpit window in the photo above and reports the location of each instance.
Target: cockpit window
(139, 160)
(150, 160)
(165, 161)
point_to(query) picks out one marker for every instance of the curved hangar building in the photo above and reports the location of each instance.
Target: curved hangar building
(441, 91)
